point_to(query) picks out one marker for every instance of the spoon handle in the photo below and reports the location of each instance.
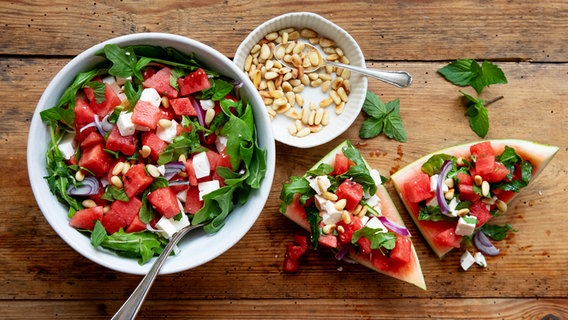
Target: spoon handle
(131, 306)
(401, 79)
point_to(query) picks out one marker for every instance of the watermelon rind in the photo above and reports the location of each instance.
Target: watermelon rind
(413, 273)
(538, 154)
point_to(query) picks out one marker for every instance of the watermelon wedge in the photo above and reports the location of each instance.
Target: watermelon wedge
(344, 205)
(479, 180)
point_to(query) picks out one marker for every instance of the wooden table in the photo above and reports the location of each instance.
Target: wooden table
(43, 278)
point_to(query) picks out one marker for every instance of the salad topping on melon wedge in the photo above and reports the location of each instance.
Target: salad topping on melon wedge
(450, 194)
(342, 202)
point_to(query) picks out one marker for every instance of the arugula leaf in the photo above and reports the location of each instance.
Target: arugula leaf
(296, 185)
(434, 164)
(99, 89)
(382, 118)
(358, 172)
(477, 113)
(496, 232)
(314, 218)
(464, 72)
(433, 213)
(380, 239)
(123, 61)
(142, 245)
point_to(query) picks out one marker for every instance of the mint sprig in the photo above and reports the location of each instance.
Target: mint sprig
(382, 118)
(477, 113)
(467, 72)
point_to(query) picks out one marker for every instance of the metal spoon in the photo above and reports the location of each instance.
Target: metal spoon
(131, 306)
(401, 79)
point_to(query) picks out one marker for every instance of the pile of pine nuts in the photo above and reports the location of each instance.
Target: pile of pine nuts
(281, 86)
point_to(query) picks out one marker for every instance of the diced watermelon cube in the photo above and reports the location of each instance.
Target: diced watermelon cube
(93, 138)
(418, 188)
(183, 106)
(499, 173)
(146, 114)
(86, 218)
(341, 164)
(348, 229)
(161, 82)
(165, 201)
(83, 116)
(350, 191)
(464, 178)
(194, 82)
(136, 225)
(111, 101)
(113, 222)
(402, 252)
(156, 144)
(136, 180)
(379, 260)
(127, 210)
(479, 210)
(364, 245)
(448, 238)
(192, 201)
(328, 240)
(484, 158)
(127, 145)
(96, 160)
(190, 172)
(467, 193)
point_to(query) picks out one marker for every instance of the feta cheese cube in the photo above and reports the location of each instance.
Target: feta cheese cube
(201, 165)
(320, 184)
(434, 184)
(480, 259)
(182, 195)
(67, 147)
(375, 223)
(320, 202)
(466, 225)
(125, 125)
(207, 104)
(207, 187)
(466, 260)
(221, 143)
(330, 215)
(152, 96)
(168, 227)
(168, 133)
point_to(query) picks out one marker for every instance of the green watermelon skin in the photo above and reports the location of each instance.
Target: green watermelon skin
(538, 154)
(411, 273)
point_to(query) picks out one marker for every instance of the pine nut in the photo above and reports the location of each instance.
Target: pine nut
(335, 97)
(485, 189)
(449, 195)
(153, 170)
(315, 128)
(339, 108)
(325, 118)
(463, 212)
(308, 33)
(293, 114)
(342, 94)
(326, 102)
(115, 180)
(117, 168)
(329, 196)
(292, 129)
(304, 132)
(182, 158)
(346, 217)
(340, 204)
(165, 102)
(478, 180)
(319, 116)
(209, 115)
(145, 151)
(79, 175)
(363, 212)
(449, 182)
(89, 203)
(125, 168)
(165, 123)
(501, 205)
(328, 228)
(340, 229)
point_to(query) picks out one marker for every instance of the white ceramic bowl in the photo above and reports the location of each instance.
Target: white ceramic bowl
(197, 247)
(338, 123)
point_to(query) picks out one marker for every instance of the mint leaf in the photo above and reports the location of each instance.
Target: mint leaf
(464, 72)
(477, 113)
(496, 232)
(379, 239)
(382, 118)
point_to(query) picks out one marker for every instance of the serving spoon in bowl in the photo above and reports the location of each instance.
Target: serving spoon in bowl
(400, 79)
(131, 306)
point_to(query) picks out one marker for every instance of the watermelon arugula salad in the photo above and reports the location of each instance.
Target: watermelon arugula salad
(148, 142)
(342, 202)
(451, 194)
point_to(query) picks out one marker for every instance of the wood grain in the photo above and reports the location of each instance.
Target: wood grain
(41, 277)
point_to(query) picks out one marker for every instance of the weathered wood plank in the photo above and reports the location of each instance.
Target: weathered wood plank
(386, 30)
(352, 308)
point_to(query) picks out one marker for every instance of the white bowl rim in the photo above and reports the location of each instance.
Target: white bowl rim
(187, 259)
(358, 60)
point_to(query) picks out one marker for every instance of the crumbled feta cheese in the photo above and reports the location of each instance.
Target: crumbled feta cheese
(320, 202)
(207, 104)
(152, 96)
(433, 202)
(170, 226)
(434, 184)
(67, 147)
(375, 223)
(221, 143)
(125, 125)
(319, 183)
(207, 187)
(466, 260)
(201, 165)
(330, 215)
(466, 225)
(182, 195)
(168, 133)
(480, 259)
(373, 201)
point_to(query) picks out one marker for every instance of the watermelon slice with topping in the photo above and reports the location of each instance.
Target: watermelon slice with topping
(466, 186)
(342, 202)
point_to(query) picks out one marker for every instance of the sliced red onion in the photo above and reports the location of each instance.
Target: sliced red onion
(87, 126)
(439, 187)
(173, 168)
(394, 227)
(200, 112)
(342, 252)
(107, 126)
(88, 187)
(178, 183)
(484, 245)
(99, 125)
